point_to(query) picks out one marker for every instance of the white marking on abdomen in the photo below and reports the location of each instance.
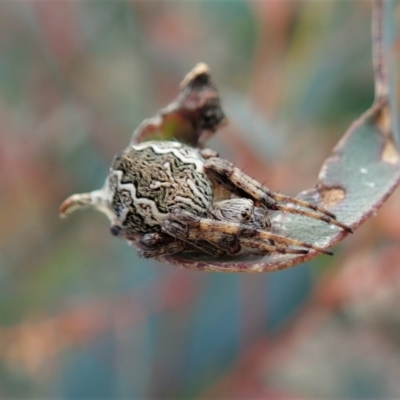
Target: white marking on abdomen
(197, 193)
(156, 215)
(190, 203)
(173, 148)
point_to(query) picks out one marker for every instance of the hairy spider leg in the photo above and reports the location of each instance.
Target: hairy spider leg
(270, 248)
(214, 243)
(310, 214)
(298, 202)
(160, 244)
(226, 235)
(227, 174)
(156, 244)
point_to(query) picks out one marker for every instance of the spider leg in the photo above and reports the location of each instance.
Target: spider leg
(245, 232)
(187, 229)
(271, 248)
(231, 177)
(208, 153)
(185, 226)
(315, 215)
(298, 202)
(153, 245)
(228, 175)
(229, 236)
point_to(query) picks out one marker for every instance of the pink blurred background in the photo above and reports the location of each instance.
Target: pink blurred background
(81, 315)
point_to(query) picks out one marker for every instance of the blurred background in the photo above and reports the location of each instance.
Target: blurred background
(81, 315)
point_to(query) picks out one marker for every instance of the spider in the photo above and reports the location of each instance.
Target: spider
(161, 195)
(167, 197)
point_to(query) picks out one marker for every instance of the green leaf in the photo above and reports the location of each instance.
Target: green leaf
(361, 172)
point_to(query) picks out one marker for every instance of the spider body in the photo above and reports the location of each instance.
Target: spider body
(167, 197)
(162, 197)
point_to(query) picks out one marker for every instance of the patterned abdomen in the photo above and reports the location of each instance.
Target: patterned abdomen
(148, 180)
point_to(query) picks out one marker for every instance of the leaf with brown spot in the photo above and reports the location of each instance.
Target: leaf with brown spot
(192, 118)
(361, 172)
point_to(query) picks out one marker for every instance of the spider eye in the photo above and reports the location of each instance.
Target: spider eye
(115, 230)
(245, 214)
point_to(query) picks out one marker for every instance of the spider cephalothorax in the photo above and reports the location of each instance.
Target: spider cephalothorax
(168, 197)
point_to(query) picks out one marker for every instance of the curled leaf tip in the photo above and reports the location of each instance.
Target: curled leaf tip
(199, 70)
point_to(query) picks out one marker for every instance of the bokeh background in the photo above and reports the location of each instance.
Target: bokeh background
(81, 315)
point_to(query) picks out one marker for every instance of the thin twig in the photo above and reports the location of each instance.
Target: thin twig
(378, 51)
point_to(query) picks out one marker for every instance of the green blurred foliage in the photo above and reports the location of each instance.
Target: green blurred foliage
(81, 315)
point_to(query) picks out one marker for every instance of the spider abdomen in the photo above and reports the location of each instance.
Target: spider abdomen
(147, 181)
